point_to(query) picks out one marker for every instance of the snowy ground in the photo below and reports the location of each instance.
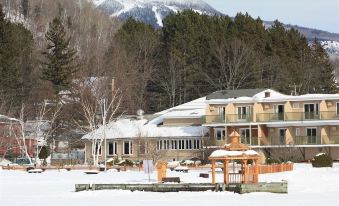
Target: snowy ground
(307, 186)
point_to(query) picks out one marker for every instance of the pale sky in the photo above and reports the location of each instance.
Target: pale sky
(318, 14)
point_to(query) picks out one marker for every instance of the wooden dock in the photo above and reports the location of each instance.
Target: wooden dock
(274, 187)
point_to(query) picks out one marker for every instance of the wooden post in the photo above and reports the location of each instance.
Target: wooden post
(256, 171)
(213, 171)
(245, 171)
(226, 172)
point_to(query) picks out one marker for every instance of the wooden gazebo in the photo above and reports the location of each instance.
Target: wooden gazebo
(237, 152)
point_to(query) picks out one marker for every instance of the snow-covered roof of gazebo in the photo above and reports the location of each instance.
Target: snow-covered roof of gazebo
(226, 153)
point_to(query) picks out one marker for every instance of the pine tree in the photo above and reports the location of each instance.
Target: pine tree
(325, 82)
(16, 61)
(61, 59)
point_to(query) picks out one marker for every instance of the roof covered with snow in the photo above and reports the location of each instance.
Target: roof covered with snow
(258, 95)
(193, 109)
(129, 128)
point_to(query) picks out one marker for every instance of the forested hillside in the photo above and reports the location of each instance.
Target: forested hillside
(190, 56)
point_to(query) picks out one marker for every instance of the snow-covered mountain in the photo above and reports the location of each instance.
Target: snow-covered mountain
(151, 11)
(154, 11)
(332, 48)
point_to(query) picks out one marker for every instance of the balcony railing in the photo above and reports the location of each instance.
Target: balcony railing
(269, 117)
(307, 140)
(251, 141)
(329, 115)
(272, 117)
(300, 140)
(332, 139)
(296, 116)
(230, 118)
(213, 119)
(234, 118)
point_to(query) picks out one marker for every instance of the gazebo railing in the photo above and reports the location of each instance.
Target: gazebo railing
(235, 177)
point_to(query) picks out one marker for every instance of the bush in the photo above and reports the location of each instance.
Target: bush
(125, 162)
(322, 160)
(44, 153)
(270, 161)
(112, 163)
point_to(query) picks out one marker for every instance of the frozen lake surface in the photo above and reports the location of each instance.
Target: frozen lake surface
(306, 186)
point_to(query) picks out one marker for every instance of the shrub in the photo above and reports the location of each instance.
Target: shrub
(270, 161)
(125, 162)
(322, 160)
(44, 153)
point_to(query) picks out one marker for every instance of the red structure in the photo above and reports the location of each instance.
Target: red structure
(11, 138)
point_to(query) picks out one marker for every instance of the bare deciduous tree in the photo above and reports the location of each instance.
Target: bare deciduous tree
(98, 108)
(236, 65)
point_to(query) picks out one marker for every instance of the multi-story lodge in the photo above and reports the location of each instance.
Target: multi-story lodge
(265, 119)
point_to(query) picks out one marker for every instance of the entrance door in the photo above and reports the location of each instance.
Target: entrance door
(311, 135)
(245, 136)
(282, 136)
(279, 111)
(311, 111)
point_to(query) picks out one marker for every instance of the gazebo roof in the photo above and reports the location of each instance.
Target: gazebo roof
(226, 154)
(234, 150)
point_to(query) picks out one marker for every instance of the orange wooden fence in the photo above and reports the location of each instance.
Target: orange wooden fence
(263, 169)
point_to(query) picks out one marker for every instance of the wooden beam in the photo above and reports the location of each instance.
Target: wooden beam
(256, 171)
(213, 171)
(227, 172)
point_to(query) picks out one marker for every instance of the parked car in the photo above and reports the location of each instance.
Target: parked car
(23, 161)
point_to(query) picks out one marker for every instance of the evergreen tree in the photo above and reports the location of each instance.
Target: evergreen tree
(16, 61)
(325, 82)
(61, 59)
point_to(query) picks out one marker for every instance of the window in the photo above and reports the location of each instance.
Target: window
(243, 112)
(337, 108)
(297, 131)
(245, 136)
(112, 148)
(174, 144)
(295, 105)
(7, 132)
(142, 147)
(311, 111)
(311, 135)
(128, 147)
(183, 144)
(219, 134)
(221, 111)
(97, 149)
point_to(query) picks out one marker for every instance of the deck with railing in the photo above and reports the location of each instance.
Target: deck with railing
(271, 117)
(299, 140)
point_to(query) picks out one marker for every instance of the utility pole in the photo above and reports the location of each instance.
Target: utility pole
(105, 144)
(113, 82)
(294, 91)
